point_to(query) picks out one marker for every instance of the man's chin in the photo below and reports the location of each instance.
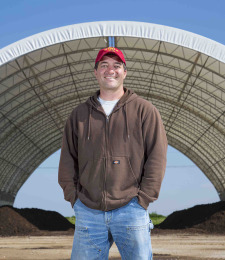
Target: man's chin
(108, 86)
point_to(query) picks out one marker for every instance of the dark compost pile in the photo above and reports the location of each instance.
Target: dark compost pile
(17, 222)
(209, 218)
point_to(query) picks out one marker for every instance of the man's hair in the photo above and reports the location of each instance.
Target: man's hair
(124, 66)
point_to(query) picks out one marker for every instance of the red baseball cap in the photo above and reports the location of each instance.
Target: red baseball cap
(113, 50)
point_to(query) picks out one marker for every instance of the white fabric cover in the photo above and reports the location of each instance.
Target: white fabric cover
(113, 28)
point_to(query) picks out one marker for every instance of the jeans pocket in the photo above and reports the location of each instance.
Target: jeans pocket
(137, 204)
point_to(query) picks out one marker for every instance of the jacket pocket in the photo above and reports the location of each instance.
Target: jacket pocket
(121, 182)
(91, 180)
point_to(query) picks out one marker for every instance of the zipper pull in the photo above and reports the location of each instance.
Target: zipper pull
(107, 118)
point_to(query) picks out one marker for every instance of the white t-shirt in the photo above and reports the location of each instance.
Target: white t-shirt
(108, 105)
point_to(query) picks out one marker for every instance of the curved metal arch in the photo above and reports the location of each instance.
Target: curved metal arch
(53, 78)
(189, 139)
(194, 157)
(44, 76)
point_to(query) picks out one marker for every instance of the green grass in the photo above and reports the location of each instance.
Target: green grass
(156, 219)
(71, 219)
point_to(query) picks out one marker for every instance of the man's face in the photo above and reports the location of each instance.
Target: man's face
(110, 73)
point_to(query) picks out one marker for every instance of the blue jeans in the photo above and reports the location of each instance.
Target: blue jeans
(96, 230)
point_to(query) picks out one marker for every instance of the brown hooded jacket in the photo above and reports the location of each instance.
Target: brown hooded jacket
(106, 161)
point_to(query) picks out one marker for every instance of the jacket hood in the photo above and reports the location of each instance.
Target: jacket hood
(127, 97)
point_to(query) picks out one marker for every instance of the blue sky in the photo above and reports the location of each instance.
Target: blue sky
(184, 184)
(23, 18)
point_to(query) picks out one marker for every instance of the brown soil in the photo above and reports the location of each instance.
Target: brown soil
(36, 234)
(201, 219)
(208, 218)
(20, 222)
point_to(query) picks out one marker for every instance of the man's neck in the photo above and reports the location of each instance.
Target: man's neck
(111, 95)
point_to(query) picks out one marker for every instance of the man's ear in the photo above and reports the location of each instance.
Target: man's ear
(125, 74)
(95, 71)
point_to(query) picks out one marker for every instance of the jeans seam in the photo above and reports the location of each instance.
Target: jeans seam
(122, 250)
(125, 244)
(89, 239)
(138, 205)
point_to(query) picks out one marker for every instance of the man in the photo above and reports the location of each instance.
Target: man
(112, 163)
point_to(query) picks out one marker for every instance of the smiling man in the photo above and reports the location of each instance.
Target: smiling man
(110, 73)
(112, 163)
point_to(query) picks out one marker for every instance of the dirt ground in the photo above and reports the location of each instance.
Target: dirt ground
(165, 246)
(197, 233)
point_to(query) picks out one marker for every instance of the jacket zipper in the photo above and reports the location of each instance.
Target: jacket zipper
(106, 160)
(104, 205)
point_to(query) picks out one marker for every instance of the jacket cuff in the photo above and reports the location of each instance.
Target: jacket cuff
(73, 197)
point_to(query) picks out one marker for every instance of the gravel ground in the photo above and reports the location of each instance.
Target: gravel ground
(165, 246)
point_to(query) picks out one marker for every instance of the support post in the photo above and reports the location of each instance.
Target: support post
(222, 195)
(6, 198)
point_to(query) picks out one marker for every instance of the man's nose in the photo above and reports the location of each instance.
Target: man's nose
(110, 70)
